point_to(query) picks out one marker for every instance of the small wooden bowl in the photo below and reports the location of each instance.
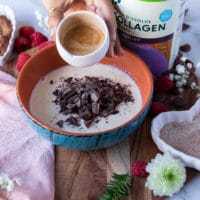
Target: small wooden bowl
(48, 59)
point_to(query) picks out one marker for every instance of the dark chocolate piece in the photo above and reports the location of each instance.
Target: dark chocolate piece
(89, 98)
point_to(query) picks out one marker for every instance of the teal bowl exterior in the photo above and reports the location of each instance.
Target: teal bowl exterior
(93, 142)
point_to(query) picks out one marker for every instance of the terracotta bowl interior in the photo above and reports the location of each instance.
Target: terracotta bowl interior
(48, 59)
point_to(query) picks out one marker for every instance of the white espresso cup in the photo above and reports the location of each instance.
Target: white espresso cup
(82, 38)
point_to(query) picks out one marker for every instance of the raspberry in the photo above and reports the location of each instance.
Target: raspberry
(21, 60)
(22, 44)
(44, 44)
(163, 84)
(37, 38)
(157, 108)
(26, 31)
(139, 169)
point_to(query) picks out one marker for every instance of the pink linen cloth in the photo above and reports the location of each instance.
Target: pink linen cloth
(23, 153)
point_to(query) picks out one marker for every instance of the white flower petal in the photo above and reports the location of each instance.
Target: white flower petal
(18, 181)
(10, 186)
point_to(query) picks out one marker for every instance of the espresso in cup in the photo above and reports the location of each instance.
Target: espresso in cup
(83, 39)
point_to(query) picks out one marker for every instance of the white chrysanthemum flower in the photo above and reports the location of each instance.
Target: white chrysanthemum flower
(166, 175)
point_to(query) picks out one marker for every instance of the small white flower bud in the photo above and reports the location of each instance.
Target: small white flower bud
(183, 59)
(179, 84)
(193, 85)
(177, 77)
(189, 65)
(171, 77)
(187, 72)
(180, 69)
(184, 81)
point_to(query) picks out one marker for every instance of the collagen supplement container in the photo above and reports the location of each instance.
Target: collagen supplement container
(152, 29)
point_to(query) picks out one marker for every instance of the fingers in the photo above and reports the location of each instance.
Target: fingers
(53, 21)
(111, 51)
(104, 9)
(118, 48)
(115, 45)
(115, 48)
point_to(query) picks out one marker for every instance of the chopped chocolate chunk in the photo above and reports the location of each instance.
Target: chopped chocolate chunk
(90, 97)
(73, 120)
(94, 96)
(114, 112)
(84, 98)
(60, 123)
(185, 26)
(95, 108)
(86, 114)
(185, 48)
(88, 123)
(67, 93)
(55, 92)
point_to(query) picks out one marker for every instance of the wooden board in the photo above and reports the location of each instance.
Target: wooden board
(84, 175)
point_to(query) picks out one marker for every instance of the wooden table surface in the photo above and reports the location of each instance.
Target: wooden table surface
(84, 175)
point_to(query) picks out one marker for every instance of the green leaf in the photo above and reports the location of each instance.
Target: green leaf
(117, 188)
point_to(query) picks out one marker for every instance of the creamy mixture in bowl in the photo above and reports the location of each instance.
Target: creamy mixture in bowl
(42, 101)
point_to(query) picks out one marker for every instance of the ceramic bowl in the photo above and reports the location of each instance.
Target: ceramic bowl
(83, 18)
(8, 12)
(48, 59)
(175, 116)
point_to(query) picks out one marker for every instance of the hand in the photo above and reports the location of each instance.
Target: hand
(56, 10)
(53, 21)
(104, 9)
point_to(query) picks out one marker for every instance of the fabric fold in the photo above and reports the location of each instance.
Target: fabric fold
(23, 153)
